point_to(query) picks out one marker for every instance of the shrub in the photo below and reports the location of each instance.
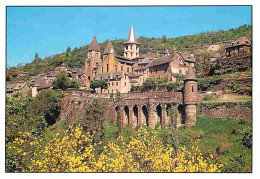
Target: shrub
(207, 83)
(247, 137)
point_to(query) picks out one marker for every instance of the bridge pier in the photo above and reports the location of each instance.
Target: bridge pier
(164, 116)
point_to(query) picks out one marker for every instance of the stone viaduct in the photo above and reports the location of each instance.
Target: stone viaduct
(136, 109)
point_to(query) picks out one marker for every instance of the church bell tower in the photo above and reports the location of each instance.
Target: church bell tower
(131, 46)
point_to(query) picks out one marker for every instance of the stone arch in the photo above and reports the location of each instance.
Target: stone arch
(181, 111)
(144, 115)
(126, 116)
(159, 114)
(135, 121)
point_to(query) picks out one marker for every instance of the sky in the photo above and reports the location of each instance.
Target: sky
(50, 30)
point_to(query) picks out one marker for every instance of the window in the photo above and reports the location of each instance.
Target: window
(112, 90)
(112, 83)
(88, 63)
(102, 70)
(108, 77)
(121, 68)
(116, 83)
(180, 71)
(101, 78)
(116, 67)
(125, 83)
(127, 69)
(192, 89)
(88, 78)
(125, 76)
(165, 70)
(107, 67)
(132, 69)
(155, 70)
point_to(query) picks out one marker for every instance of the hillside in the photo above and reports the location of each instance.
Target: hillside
(76, 57)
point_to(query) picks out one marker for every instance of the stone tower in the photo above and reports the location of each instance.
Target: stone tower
(108, 57)
(92, 61)
(190, 98)
(131, 46)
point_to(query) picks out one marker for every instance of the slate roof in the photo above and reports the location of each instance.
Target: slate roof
(111, 75)
(109, 48)
(40, 82)
(124, 60)
(188, 57)
(131, 37)
(240, 41)
(190, 75)
(162, 60)
(10, 87)
(144, 61)
(94, 45)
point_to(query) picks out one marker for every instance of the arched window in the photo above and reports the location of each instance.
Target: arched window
(192, 89)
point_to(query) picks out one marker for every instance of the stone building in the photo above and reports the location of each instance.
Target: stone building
(112, 67)
(17, 87)
(241, 45)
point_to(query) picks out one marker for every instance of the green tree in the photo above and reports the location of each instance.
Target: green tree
(47, 104)
(164, 39)
(102, 84)
(61, 82)
(74, 84)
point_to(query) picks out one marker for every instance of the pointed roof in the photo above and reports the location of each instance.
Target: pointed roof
(190, 75)
(131, 37)
(94, 45)
(109, 48)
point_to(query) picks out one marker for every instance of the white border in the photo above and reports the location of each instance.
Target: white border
(256, 85)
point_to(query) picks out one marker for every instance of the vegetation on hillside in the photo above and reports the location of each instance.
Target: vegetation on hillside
(76, 57)
(94, 144)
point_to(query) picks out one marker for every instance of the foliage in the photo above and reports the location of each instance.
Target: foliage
(46, 104)
(247, 137)
(148, 84)
(19, 119)
(74, 151)
(102, 84)
(216, 104)
(207, 83)
(223, 138)
(94, 118)
(63, 82)
(207, 97)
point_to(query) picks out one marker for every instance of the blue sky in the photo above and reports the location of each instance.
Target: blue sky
(50, 30)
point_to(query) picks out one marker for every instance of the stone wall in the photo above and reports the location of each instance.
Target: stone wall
(236, 63)
(228, 110)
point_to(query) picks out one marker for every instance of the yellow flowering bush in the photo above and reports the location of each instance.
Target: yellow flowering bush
(75, 152)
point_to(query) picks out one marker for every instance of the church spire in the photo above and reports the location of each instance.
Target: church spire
(109, 48)
(131, 38)
(94, 45)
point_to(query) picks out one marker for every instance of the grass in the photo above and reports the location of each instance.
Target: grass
(224, 133)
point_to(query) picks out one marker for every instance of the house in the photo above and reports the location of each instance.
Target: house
(17, 87)
(240, 45)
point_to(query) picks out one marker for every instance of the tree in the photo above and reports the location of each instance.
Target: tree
(102, 84)
(36, 56)
(68, 53)
(61, 82)
(47, 104)
(74, 84)
(164, 39)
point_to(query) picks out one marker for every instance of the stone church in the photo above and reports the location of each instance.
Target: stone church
(121, 72)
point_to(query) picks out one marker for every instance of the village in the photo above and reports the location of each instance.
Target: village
(123, 72)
